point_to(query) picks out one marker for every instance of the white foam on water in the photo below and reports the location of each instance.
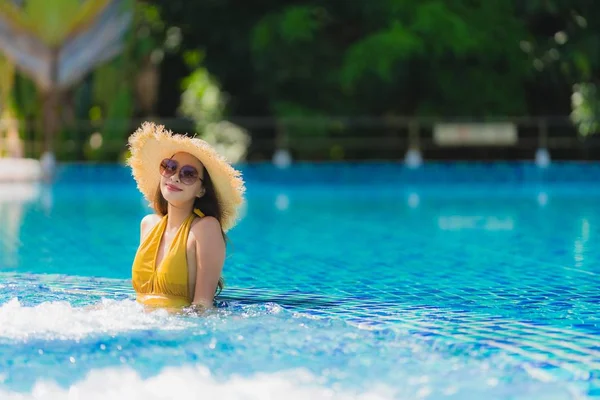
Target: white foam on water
(61, 320)
(193, 383)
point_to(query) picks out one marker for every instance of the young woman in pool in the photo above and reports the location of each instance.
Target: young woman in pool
(195, 194)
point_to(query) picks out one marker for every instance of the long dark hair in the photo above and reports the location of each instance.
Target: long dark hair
(208, 204)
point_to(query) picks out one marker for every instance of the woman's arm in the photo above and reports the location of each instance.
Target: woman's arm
(210, 257)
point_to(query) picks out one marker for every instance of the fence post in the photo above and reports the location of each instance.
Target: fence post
(282, 157)
(542, 155)
(413, 157)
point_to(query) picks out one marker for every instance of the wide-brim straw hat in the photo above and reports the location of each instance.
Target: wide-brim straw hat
(152, 143)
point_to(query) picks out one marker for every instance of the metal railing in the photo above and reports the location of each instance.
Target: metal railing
(332, 137)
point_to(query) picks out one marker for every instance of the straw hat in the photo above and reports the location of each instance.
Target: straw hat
(151, 143)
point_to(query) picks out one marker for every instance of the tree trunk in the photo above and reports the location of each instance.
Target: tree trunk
(51, 105)
(51, 117)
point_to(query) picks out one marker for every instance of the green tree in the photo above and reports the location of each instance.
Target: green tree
(203, 101)
(564, 47)
(347, 57)
(476, 58)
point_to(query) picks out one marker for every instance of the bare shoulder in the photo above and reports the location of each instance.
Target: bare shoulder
(148, 223)
(206, 230)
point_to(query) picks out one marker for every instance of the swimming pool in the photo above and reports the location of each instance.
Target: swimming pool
(369, 281)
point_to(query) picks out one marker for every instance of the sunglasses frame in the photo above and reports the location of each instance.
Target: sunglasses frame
(178, 170)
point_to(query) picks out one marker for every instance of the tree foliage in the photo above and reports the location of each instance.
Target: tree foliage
(404, 57)
(309, 59)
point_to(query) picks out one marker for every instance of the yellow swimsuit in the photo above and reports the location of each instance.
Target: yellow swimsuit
(164, 285)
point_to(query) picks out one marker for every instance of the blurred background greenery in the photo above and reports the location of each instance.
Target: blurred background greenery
(328, 79)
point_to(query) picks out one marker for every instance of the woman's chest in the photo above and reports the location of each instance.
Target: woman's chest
(175, 258)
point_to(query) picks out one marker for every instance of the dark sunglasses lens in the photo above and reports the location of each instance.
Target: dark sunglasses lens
(188, 175)
(168, 167)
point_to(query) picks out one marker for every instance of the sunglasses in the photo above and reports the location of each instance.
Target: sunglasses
(188, 175)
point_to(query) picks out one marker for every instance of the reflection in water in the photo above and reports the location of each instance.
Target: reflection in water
(282, 202)
(14, 197)
(479, 222)
(581, 242)
(542, 199)
(413, 200)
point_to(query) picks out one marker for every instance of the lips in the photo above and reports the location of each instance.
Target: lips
(172, 188)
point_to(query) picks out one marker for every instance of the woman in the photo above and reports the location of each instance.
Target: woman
(195, 195)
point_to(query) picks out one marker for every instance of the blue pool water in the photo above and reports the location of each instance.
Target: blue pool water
(373, 281)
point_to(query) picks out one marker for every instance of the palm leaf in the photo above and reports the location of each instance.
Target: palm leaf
(68, 37)
(99, 43)
(51, 21)
(27, 52)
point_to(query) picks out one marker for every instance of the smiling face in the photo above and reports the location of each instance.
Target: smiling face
(181, 179)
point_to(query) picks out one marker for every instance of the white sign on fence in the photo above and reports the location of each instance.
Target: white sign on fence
(475, 134)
